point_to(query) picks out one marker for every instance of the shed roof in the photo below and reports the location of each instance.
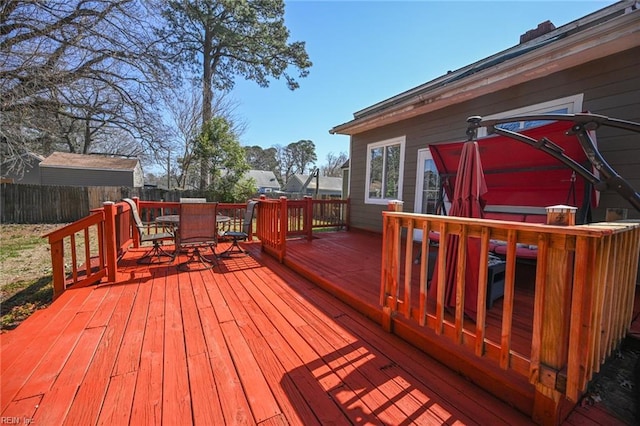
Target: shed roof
(67, 160)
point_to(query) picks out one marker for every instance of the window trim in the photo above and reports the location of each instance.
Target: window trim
(573, 104)
(401, 140)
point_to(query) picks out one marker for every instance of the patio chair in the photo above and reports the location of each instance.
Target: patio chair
(197, 233)
(237, 236)
(156, 252)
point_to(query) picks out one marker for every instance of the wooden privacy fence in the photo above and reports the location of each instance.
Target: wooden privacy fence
(43, 204)
(20, 203)
(583, 304)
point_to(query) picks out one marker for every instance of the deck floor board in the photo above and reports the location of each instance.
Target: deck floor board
(249, 342)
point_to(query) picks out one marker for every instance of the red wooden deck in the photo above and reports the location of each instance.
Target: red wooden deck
(250, 342)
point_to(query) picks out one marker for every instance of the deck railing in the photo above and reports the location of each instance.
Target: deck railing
(85, 251)
(81, 268)
(283, 218)
(584, 287)
(108, 232)
(272, 227)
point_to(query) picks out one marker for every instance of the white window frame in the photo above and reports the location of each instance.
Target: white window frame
(423, 155)
(572, 104)
(382, 144)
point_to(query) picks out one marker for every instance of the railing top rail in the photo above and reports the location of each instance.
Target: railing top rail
(77, 226)
(590, 230)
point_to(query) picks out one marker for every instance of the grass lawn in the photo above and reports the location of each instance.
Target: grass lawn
(25, 272)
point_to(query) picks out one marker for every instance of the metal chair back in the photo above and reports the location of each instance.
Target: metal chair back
(247, 221)
(197, 234)
(136, 216)
(156, 252)
(198, 224)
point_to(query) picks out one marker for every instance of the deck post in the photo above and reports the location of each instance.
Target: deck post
(110, 239)
(284, 228)
(550, 404)
(308, 216)
(57, 264)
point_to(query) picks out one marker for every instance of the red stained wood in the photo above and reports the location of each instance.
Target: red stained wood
(70, 378)
(17, 345)
(147, 400)
(116, 409)
(234, 403)
(129, 355)
(42, 377)
(87, 404)
(249, 342)
(176, 399)
(259, 395)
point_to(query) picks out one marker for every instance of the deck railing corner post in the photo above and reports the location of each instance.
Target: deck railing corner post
(309, 216)
(57, 264)
(110, 212)
(348, 214)
(284, 228)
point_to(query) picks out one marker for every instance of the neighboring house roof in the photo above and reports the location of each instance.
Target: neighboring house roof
(600, 34)
(264, 178)
(68, 160)
(326, 183)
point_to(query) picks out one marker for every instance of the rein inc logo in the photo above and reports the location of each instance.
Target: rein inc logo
(5, 420)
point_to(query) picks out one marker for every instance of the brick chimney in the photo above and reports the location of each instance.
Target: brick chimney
(543, 28)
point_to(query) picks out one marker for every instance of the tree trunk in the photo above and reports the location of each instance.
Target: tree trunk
(207, 99)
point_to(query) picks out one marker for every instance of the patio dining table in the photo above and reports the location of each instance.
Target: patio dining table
(173, 220)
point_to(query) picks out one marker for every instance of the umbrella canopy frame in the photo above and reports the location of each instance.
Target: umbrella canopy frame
(583, 124)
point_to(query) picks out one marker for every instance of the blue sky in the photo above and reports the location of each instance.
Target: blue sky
(364, 52)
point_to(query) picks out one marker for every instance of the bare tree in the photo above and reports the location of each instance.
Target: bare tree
(334, 163)
(184, 107)
(296, 158)
(77, 73)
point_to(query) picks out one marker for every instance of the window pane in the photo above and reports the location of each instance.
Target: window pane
(384, 167)
(392, 171)
(375, 176)
(431, 188)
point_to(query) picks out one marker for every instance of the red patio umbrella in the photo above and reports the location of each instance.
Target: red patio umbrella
(467, 201)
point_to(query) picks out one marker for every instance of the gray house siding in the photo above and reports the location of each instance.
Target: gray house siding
(64, 168)
(82, 177)
(611, 87)
(618, 97)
